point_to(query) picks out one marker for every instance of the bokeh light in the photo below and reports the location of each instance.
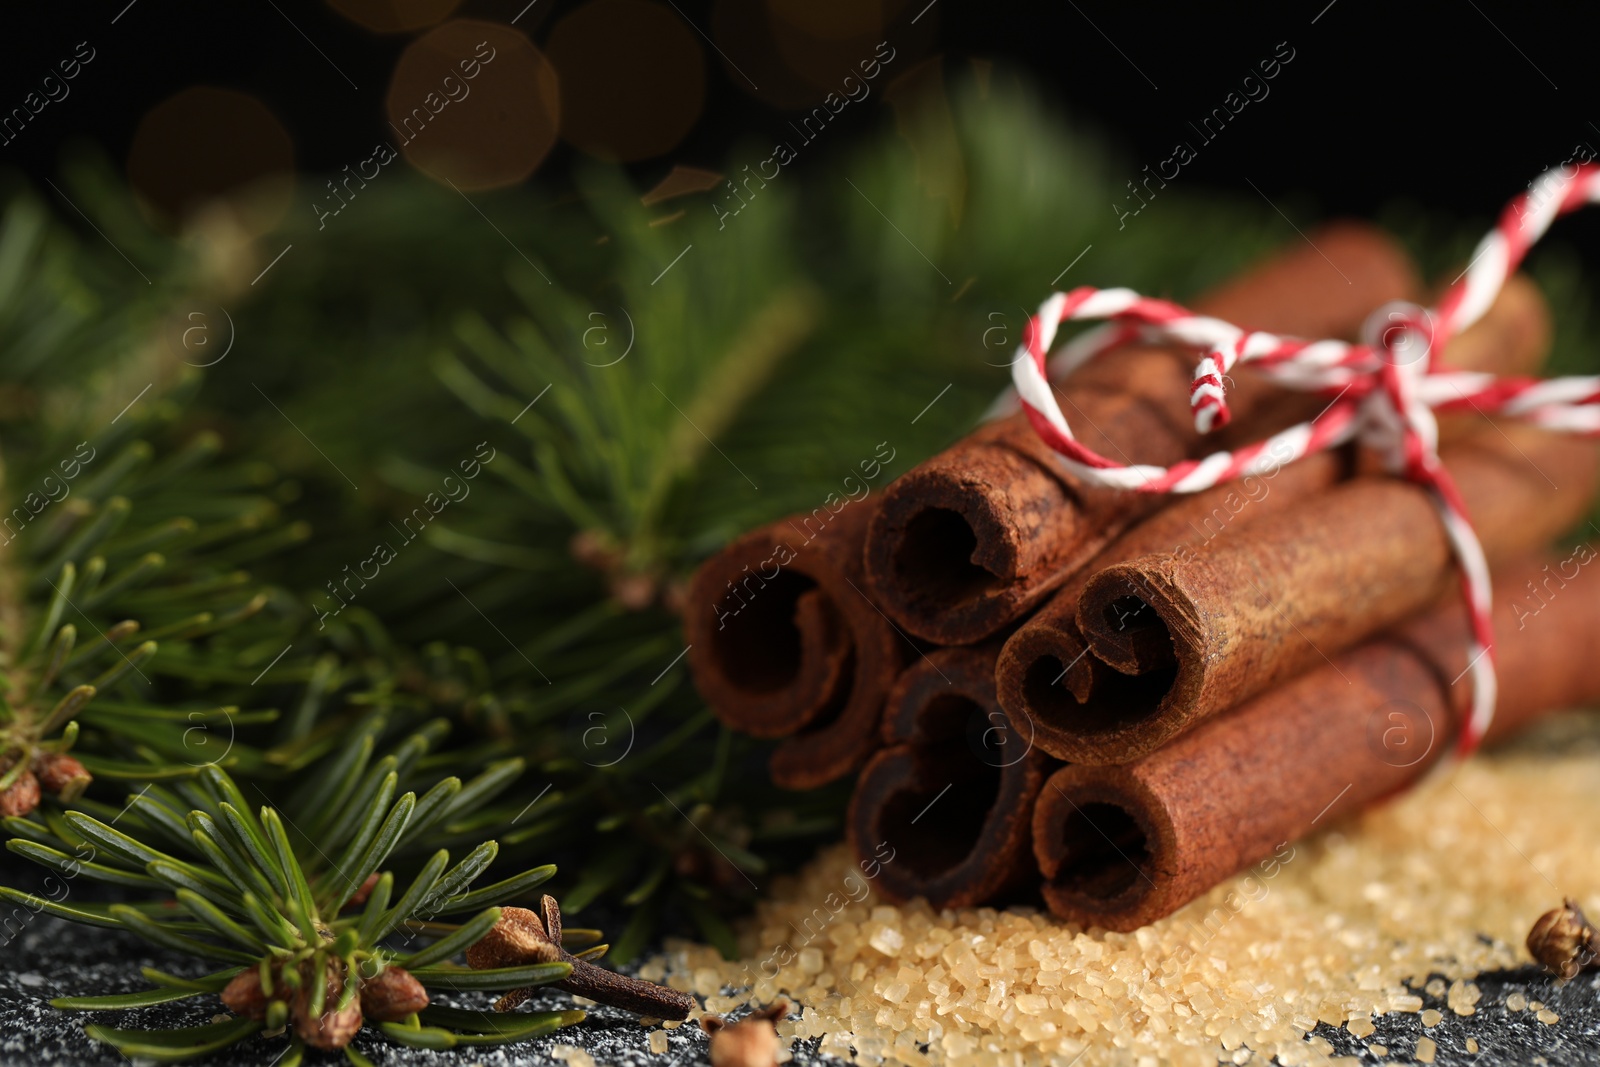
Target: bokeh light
(475, 104)
(824, 40)
(749, 52)
(792, 53)
(203, 146)
(830, 20)
(394, 16)
(632, 78)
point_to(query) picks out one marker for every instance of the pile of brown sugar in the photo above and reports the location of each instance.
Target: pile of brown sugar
(1444, 881)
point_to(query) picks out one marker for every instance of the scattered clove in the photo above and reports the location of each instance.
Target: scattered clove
(523, 937)
(55, 773)
(1564, 941)
(21, 796)
(244, 995)
(61, 774)
(329, 1024)
(391, 995)
(750, 1042)
(599, 551)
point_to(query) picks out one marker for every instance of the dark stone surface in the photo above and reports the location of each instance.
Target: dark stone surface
(1504, 1036)
(51, 958)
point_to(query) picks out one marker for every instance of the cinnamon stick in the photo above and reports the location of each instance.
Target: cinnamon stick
(1176, 637)
(955, 789)
(1044, 668)
(978, 535)
(1120, 847)
(784, 643)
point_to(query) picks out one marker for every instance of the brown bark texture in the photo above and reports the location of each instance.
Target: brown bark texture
(1122, 846)
(979, 535)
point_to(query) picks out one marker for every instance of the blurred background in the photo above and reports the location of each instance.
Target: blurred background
(678, 268)
(1454, 104)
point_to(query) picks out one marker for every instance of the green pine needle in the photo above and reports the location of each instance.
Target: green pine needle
(248, 895)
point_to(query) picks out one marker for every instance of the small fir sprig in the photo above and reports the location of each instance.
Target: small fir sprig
(95, 584)
(301, 944)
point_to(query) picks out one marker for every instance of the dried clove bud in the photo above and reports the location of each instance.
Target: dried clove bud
(392, 995)
(21, 797)
(596, 550)
(599, 551)
(61, 775)
(244, 995)
(750, 1042)
(1564, 941)
(633, 591)
(524, 937)
(334, 1028)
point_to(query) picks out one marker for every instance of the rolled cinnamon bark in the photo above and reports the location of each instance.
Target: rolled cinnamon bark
(1044, 669)
(1123, 846)
(1177, 637)
(1044, 673)
(784, 643)
(955, 789)
(978, 535)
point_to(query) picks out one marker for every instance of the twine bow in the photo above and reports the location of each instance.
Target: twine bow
(1384, 391)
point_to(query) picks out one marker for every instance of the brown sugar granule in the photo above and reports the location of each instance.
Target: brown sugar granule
(572, 1055)
(1463, 997)
(1334, 930)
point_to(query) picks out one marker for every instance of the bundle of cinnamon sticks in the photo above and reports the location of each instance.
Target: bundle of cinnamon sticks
(1118, 700)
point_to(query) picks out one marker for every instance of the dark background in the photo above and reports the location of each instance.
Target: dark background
(1455, 105)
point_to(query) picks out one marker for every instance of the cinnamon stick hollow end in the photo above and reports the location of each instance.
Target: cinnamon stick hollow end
(961, 541)
(785, 644)
(769, 651)
(1105, 845)
(1076, 706)
(954, 791)
(1154, 649)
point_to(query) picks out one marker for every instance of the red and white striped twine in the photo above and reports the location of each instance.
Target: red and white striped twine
(1384, 391)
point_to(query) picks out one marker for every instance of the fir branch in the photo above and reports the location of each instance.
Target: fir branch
(271, 907)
